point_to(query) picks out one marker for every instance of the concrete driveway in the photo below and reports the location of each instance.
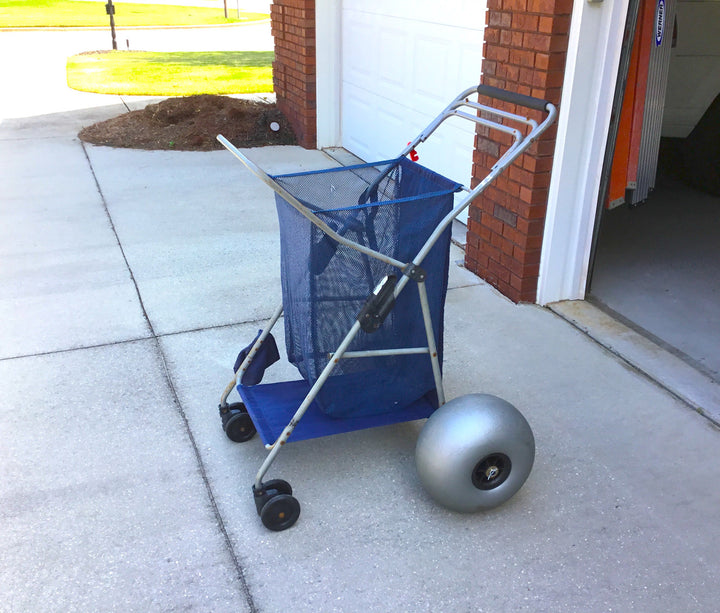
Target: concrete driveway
(130, 279)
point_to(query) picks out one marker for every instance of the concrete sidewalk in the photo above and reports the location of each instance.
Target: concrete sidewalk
(130, 279)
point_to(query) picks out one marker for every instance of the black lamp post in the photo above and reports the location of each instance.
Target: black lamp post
(110, 10)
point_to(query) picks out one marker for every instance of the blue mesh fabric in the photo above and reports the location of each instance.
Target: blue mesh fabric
(325, 284)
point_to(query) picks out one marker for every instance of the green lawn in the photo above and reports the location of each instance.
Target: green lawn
(79, 13)
(145, 73)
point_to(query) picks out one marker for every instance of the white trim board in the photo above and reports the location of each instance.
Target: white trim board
(591, 70)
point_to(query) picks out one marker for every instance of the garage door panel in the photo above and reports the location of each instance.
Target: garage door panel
(403, 61)
(435, 69)
(384, 52)
(394, 51)
(381, 130)
(359, 57)
(472, 11)
(463, 13)
(470, 59)
(397, 131)
(357, 118)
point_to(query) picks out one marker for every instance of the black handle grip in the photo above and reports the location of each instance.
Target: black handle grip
(512, 97)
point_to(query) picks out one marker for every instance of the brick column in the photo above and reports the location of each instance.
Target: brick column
(293, 28)
(525, 50)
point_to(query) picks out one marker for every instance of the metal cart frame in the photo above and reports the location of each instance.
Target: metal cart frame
(274, 498)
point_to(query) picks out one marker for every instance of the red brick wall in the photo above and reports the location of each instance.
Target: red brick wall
(525, 50)
(293, 27)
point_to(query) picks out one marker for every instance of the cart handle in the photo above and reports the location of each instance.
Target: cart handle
(520, 145)
(513, 98)
(452, 110)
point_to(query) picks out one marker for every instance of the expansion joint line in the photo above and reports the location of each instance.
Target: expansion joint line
(245, 589)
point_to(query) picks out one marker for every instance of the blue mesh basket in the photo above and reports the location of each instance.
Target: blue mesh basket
(325, 284)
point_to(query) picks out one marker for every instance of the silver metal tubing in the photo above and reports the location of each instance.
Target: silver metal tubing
(461, 101)
(427, 318)
(227, 391)
(515, 150)
(433, 125)
(251, 354)
(314, 390)
(500, 113)
(385, 352)
(514, 132)
(303, 210)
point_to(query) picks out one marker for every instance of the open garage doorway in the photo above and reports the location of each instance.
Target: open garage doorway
(657, 258)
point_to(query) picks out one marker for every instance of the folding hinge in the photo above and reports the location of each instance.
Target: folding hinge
(414, 272)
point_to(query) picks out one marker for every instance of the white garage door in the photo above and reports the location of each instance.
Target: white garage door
(402, 62)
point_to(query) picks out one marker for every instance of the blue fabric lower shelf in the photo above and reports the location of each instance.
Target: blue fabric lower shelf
(272, 405)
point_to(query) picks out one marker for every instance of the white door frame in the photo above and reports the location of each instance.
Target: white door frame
(328, 65)
(595, 43)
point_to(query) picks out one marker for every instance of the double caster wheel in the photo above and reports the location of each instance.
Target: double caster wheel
(276, 506)
(475, 452)
(236, 422)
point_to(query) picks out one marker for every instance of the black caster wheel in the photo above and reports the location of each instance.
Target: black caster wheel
(236, 422)
(275, 504)
(280, 512)
(270, 489)
(277, 486)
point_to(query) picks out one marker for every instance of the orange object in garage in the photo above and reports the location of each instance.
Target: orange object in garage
(627, 147)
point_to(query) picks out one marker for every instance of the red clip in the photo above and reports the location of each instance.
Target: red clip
(413, 154)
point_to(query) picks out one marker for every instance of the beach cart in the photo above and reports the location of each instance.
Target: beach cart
(369, 347)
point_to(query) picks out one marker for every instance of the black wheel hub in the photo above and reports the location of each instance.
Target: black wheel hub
(491, 471)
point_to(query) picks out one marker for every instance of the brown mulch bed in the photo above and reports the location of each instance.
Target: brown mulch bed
(192, 123)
